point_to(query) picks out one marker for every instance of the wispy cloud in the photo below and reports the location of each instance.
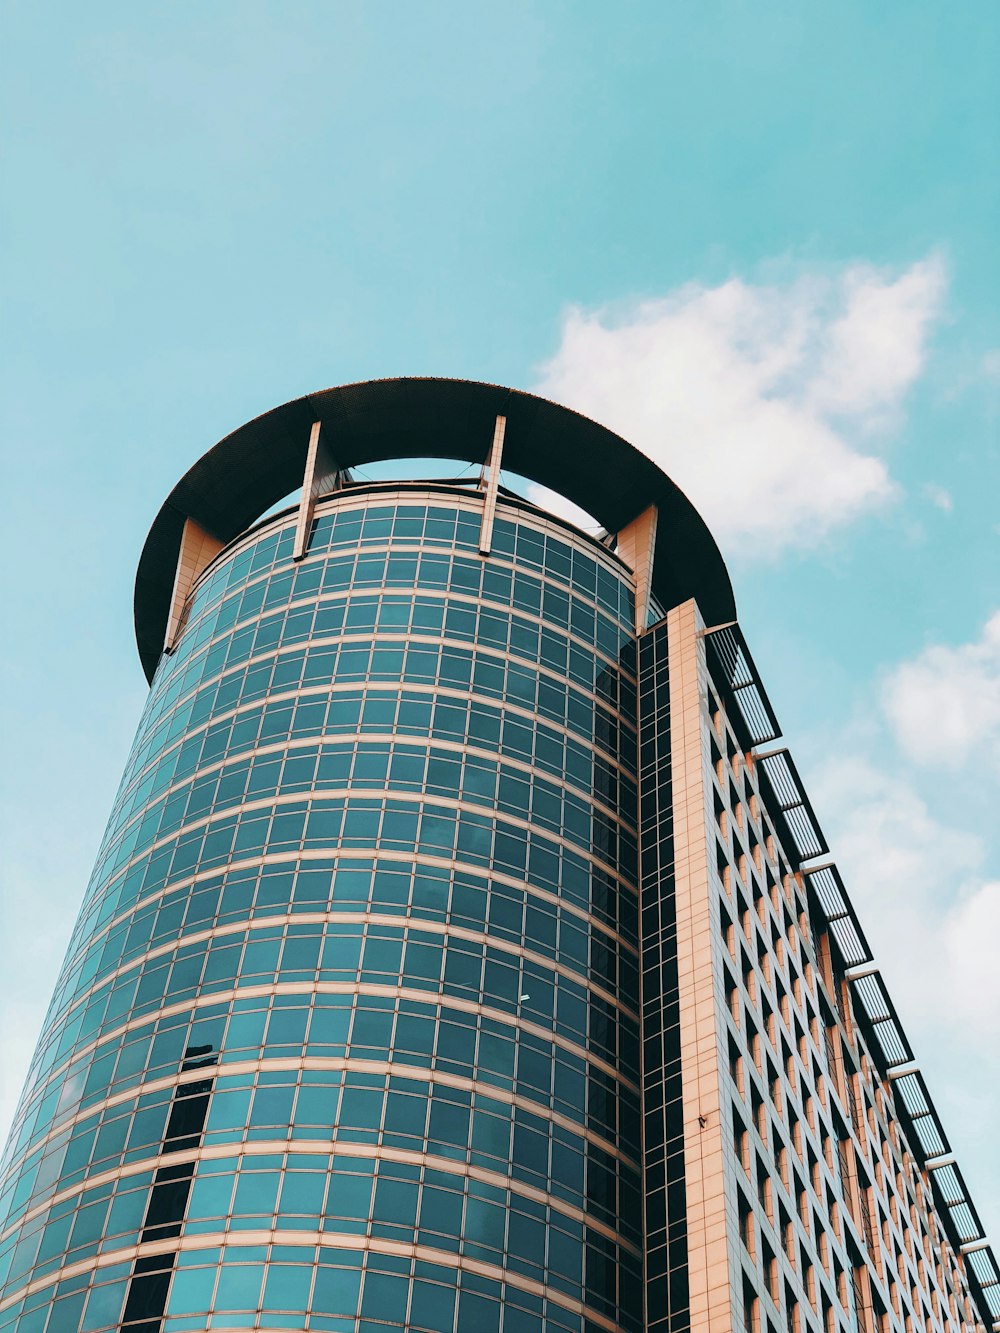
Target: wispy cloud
(922, 873)
(939, 497)
(921, 890)
(944, 706)
(931, 911)
(764, 402)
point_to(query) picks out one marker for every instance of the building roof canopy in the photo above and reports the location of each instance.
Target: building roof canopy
(259, 464)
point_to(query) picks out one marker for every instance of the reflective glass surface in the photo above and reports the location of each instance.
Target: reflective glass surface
(347, 1031)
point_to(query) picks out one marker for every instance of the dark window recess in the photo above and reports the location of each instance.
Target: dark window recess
(150, 1281)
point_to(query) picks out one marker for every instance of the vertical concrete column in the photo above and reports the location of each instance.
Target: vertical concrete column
(491, 486)
(706, 1135)
(321, 477)
(636, 544)
(197, 550)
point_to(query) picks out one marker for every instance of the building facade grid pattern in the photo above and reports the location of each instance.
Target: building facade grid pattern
(839, 1229)
(373, 1017)
(665, 1225)
(436, 970)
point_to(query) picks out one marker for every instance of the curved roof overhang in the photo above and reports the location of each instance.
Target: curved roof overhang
(259, 464)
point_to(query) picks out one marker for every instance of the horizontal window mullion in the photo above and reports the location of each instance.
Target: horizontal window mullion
(321, 1239)
(405, 923)
(291, 1146)
(404, 638)
(323, 742)
(347, 854)
(365, 1067)
(433, 690)
(259, 990)
(375, 794)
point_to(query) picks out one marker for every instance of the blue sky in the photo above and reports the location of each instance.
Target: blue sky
(758, 238)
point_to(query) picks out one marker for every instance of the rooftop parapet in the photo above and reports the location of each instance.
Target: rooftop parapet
(261, 463)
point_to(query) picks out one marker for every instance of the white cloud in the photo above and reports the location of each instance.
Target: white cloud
(945, 705)
(754, 398)
(939, 497)
(932, 919)
(906, 868)
(926, 889)
(874, 350)
(971, 931)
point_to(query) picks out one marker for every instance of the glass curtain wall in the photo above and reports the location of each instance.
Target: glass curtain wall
(347, 1033)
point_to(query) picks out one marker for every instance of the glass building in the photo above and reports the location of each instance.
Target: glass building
(463, 953)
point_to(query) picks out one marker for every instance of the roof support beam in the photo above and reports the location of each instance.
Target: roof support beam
(636, 544)
(863, 969)
(197, 550)
(490, 482)
(321, 477)
(258, 465)
(902, 1070)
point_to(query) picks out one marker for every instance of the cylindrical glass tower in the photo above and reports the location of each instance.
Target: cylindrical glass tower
(347, 1036)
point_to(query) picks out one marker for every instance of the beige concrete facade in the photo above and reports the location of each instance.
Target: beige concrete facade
(198, 549)
(635, 546)
(321, 477)
(835, 1219)
(708, 1214)
(491, 486)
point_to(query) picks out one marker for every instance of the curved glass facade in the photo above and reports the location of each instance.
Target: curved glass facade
(347, 1036)
(461, 955)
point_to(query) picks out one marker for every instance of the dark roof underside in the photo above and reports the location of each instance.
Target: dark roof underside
(259, 464)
